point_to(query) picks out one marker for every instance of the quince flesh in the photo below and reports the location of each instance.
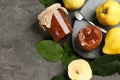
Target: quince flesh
(108, 13)
(79, 70)
(112, 41)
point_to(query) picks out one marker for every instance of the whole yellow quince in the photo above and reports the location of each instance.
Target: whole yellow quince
(112, 41)
(73, 4)
(108, 13)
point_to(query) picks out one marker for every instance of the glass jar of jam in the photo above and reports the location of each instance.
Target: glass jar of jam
(89, 37)
(53, 20)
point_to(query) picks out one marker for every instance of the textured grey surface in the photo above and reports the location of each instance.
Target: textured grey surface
(18, 34)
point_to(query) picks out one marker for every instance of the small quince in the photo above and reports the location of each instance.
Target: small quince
(112, 41)
(73, 4)
(79, 70)
(108, 13)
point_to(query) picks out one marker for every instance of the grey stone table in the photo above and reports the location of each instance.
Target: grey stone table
(18, 34)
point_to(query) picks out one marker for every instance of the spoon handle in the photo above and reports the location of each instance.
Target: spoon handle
(103, 30)
(79, 16)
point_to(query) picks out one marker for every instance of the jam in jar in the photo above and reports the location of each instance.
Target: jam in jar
(53, 20)
(89, 38)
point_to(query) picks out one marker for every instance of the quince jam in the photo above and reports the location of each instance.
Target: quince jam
(89, 38)
(60, 26)
(54, 21)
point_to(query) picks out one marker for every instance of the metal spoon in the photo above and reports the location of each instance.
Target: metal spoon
(79, 16)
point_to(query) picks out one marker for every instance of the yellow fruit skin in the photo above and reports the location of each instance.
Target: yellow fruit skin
(73, 4)
(112, 41)
(108, 13)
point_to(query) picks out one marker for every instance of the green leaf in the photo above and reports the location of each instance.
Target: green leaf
(49, 50)
(68, 56)
(60, 77)
(67, 48)
(106, 65)
(47, 3)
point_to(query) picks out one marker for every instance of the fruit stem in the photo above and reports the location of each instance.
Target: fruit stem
(105, 10)
(77, 72)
